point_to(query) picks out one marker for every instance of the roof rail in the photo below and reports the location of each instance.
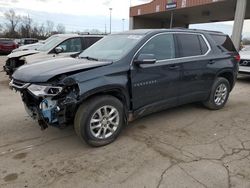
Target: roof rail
(204, 30)
(209, 31)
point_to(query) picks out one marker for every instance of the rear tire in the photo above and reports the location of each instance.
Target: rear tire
(100, 120)
(219, 94)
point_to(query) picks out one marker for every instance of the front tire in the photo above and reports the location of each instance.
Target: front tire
(219, 94)
(99, 120)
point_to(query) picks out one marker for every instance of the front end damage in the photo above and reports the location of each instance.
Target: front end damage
(12, 64)
(52, 104)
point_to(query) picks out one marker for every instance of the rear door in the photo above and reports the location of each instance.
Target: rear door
(197, 76)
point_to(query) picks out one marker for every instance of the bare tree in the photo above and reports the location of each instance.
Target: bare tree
(49, 27)
(60, 28)
(41, 31)
(26, 26)
(12, 21)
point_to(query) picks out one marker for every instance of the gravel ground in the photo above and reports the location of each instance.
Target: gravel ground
(188, 146)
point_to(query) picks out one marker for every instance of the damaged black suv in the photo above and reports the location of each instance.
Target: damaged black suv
(128, 75)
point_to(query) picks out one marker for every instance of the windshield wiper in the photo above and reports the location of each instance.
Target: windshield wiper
(89, 58)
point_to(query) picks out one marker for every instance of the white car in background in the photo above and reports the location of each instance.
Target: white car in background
(62, 45)
(244, 67)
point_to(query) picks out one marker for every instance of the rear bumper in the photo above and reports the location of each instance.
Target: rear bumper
(5, 51)
(244, 69)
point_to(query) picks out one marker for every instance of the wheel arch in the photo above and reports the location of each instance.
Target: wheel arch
(116, 91)
(229, 75)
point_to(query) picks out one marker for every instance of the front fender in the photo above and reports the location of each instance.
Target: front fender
(105, 84)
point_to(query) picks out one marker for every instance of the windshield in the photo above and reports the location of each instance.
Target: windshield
(49, 39)
(112, 47)
(50, 44)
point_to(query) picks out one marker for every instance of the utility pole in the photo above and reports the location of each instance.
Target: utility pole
(238, 22)
(123, 20)
(171, 19)
(29, 22)
(110, 19)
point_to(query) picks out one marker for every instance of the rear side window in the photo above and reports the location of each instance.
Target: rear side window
(191, 45)
(224, 42)
(89, 41)
(6, 41)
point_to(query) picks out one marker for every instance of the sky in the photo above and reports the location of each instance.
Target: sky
(79, 15)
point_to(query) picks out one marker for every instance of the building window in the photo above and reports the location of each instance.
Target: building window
(183, 3)
(139, 12)
(157, 8)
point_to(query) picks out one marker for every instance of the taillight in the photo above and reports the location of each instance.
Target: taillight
(14, 46)
(237, 58)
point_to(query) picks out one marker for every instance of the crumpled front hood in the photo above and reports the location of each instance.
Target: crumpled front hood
(43, 71)
(22, 53)
(39, 57)
(31, 46)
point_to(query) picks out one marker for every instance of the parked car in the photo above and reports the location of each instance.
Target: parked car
(63, 45)
(126, 76)
(245, 60)
(25, 41)
(7, 45)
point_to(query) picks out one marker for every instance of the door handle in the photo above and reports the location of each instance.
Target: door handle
(173, 67)
(211, 62)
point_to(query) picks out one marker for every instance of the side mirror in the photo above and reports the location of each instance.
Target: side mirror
(58, 50)
(145, 59)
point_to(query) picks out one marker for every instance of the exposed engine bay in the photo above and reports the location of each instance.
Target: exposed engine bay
(50, 104)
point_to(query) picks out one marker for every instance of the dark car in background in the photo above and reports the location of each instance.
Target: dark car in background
(128, 75)
(63, 45)
(7, 45)
(25, 41)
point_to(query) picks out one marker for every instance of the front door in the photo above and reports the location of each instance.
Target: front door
(70, 47)
(155, 86)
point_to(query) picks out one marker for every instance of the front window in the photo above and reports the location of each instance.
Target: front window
(112, 47)
(162, 46)
(71, 45)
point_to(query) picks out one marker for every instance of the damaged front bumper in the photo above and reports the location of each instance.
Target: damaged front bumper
(12, 64)
(50, 110)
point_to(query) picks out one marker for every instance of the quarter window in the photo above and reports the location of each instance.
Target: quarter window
(224, 42)
(204, 47)
(90, 41)
(162, 46)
